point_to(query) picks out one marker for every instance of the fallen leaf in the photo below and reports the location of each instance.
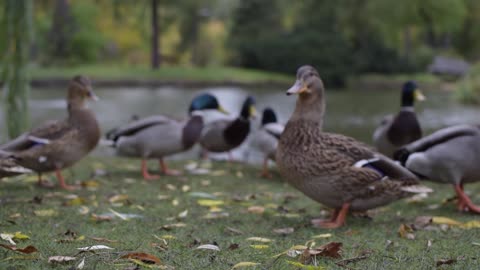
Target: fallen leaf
(331, 249)
(174, 225)
(210, 203)
(144, 257)
(233, 230)
(233, 246)
(256, 209)
(183, 214)
(81, 264)
(186, 188)
(8, 237)
(61, 259)
(446, 262)
(451, 222)
(284, 230)
(209, 247)
(406, 232)
(429, 243)
(259, 246)
(308, 267)
(83, 210)
(422, 222)
(244, 264)
(26, 250)
(45, 213)
(203, 195)
(101, 218)
(97, 247)
(323, 235)
(215, 215)
(118, 198)
(259, 239)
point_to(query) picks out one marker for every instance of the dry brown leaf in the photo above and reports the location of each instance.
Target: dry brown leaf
(406, 232)
(446, 262)
(233, 246)
(422, 222)
(144, 257)
(26, 250)
(331, 250)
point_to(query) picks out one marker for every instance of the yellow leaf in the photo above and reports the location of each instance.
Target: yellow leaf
(302, 266)
(244, 264)
(118, 198)
(445, 220)
(259, 239)
(323, 235)
(210, 203)
(471, 224)
(259, 246)
(20, 236)
(45, 213)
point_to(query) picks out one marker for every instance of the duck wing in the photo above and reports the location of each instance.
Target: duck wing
(274, 129)
(138, 125)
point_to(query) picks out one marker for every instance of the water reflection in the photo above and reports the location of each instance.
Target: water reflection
(354, 112)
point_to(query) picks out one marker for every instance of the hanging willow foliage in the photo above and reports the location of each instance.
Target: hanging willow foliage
(16, 37)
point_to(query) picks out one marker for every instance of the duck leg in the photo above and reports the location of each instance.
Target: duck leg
(61, 181)
(338, 218)
(145, 173)
(464, 202)
(165, 170)
(265, 173)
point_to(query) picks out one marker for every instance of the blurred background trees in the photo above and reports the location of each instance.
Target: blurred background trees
(341, 37)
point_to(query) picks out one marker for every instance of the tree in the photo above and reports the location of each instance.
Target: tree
(17, 33)
(155, 36)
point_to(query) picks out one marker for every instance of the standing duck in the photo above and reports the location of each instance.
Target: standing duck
(159, 136)
(225, 134)
(56, 145)
(403, 128)
(333, 169)
(450, 155)
(265, 139)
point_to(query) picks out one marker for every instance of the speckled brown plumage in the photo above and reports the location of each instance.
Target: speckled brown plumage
(66, 141)
(323, 165)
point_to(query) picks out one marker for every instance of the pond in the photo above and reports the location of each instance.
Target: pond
(351, 112)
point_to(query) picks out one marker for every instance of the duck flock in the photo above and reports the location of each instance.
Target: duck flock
(332, 169)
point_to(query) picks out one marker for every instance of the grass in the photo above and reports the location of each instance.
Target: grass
(112, 72)
(160, 202)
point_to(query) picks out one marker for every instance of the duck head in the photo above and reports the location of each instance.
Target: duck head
(205, 102)
(310, 91)
(410, 94)
(79, 91)
(268, 116)
(248, 108)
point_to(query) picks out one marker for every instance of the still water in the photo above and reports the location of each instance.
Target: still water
(351, 112)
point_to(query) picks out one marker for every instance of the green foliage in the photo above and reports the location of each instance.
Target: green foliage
(468, 89)
(16, 34)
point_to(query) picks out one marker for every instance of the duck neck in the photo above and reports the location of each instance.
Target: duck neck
(309, 109)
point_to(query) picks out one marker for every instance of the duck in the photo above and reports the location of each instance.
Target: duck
(265, 139)
(224, 135)
(397, 130)
(159, 136)
(451, 156)
(332, 169)
(56, 145)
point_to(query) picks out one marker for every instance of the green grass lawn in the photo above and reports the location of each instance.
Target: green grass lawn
(176, 219)
(209, 74)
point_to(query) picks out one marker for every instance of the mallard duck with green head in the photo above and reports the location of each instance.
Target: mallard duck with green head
(403, 128)
(265, 139)
(224, 135)
(333, 169)
(57, 145)
(450, 156)
(159, 136)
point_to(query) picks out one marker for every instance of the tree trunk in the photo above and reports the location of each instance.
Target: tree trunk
(62, 29)
(155, 36)
(16, 87)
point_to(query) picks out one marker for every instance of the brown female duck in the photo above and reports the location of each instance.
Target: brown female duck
(333, 169)
(56, 145)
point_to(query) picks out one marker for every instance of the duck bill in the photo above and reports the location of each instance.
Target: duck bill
(419, 95)
(222, 110)
(296, 89)
(253, 112)
(92, 96)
